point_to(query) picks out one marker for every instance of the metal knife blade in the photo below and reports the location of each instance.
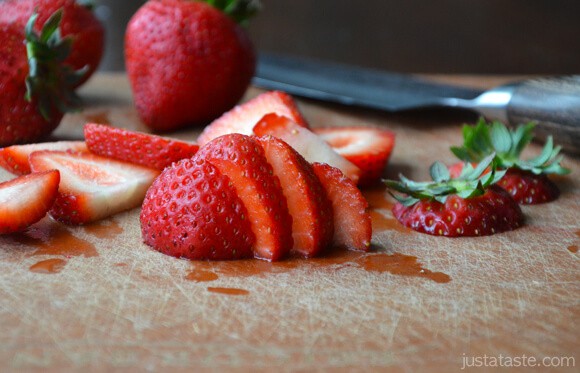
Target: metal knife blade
(553, 103)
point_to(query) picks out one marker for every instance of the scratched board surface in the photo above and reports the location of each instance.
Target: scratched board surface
(95, 298)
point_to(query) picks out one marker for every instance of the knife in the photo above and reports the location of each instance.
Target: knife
(552, 102)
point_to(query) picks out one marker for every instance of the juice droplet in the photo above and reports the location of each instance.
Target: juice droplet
(54, 239)
(49, 266)
(101, 117)
(228, 291)
(400, 264)
(200, 275)
(573, 249)
(104, 229)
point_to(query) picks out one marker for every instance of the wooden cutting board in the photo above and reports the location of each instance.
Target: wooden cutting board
(95, 298)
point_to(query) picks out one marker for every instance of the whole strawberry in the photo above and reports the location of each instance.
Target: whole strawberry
(188, 61)
(526, 180)
(469, 205)
(34, 81)
(78, 22)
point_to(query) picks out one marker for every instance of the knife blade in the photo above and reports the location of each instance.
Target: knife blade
(552, 102)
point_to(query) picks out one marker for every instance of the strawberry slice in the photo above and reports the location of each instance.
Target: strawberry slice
(311, 146)
(192, 211)
(15, 158)
(26, 199)
(93, 187)
(242, 159)
(368, 148)
(242, 118)
(136, 147)
(311, 211)
(352, 221)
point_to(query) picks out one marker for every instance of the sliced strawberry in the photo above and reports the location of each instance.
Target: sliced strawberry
(242, 159)
(352, 221)
(192, 211)
(136, 147)
(528, 188)
(311, 146)
(93, 187)
(26, 199)
(15, 158)
(242, 118)
(311, 211)
(368, 148)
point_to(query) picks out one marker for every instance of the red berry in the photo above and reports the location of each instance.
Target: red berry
(528, 188)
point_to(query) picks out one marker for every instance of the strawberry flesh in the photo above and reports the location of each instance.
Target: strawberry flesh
(311, 211)
(192, 211)
(26, 199)
(352, 221)
(15, 158)
(368, 148)
(242, 159)
(136, 147)
(311, 146)
(243, 118)
(493, 212)
(93, 187)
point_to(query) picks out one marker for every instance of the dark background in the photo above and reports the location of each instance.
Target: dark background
(442, 36)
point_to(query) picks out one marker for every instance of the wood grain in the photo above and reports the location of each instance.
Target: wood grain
(113, 304)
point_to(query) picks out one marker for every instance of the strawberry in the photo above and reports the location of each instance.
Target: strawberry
(243, 118)
(136, 147)
(192, 211)
(526, 180)
(93, 187)
(242, 160)
(311, 211)
(352, 221)
(15, 158)
(469, 205)
(311, 146)
(33, 98)
(368, 148)
(187, 61)
(78, 23)
(26, 199)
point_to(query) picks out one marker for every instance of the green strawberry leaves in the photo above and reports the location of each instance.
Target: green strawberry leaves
(472, 182)
(49, 80)
(483, 139)
(239, 10)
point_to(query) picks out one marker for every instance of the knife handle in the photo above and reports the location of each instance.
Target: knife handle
(553, 103)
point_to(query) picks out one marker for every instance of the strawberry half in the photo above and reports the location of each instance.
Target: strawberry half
(352, 221)
(311, 211)
(241, 158)
(526, 180)
(311, 146)
(15, 158)
(192, 211)
(243, 118)
(93, 187)
(469, 205)
(368, 148)
(26, 199)
(136, 147)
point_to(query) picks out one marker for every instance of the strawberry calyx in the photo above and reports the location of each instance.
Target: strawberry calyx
(49, 80)
(484, 138)
(239, 10)
(472, 182)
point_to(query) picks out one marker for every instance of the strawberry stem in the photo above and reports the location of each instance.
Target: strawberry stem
(239, 10)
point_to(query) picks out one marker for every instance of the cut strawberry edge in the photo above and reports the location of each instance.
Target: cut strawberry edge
(136, 147)
(242, 118)
(14, 159)
(368, 148)
(352, 221)
(311, 146)
(311, 211)
(93, 187)
(26, 199)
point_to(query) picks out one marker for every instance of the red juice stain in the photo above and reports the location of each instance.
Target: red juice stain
(54, 239)
(383, 223)
(228, 291)
(48, 266)
(402, 265)
(378, 198)
(120, 264)
(104, 229)
(101, 117)
(201, 275)
(573, 249)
